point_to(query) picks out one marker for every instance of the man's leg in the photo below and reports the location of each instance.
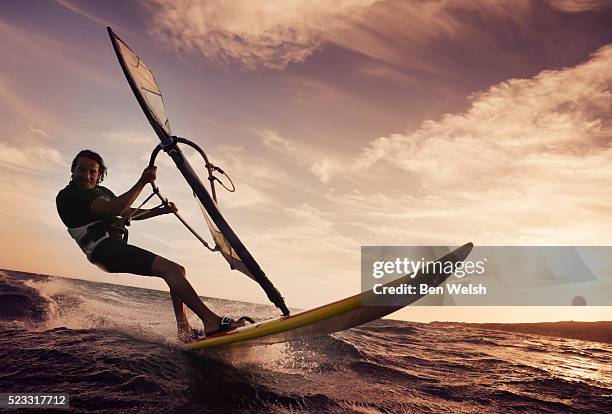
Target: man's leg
(182, 324)
(174, 275)
(118, 257)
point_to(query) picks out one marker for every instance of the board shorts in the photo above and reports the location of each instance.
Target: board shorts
(116, 256)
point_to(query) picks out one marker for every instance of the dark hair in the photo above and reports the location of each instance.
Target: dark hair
(92, 156)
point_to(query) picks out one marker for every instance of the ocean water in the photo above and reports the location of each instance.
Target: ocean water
(113, 349)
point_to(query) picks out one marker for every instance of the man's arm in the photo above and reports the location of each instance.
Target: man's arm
(119, 205)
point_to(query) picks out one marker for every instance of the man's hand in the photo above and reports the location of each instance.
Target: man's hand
(148, 175)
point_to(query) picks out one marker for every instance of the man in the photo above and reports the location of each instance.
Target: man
(96, 218)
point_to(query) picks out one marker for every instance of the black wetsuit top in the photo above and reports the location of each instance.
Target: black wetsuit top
(74, 208)
(112, 254)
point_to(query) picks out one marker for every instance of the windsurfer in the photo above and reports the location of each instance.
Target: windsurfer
(96, 219)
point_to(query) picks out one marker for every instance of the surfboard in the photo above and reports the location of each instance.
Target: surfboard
(333, 317)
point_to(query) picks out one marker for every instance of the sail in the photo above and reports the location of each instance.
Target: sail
(224, 246)
(149, 96)
(145, 86)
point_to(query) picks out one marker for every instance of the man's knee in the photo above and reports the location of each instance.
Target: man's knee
(179, 270)
(167, 269)
(174, 272)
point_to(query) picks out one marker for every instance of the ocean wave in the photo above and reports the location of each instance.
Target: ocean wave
(114, 350)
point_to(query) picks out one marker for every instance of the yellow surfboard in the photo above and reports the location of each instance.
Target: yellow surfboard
(336, 316)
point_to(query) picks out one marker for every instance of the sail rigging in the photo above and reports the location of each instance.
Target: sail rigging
(149, 96)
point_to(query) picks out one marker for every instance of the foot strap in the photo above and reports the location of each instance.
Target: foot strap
(246, 318)
(226, 324)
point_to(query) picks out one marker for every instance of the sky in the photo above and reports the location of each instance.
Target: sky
(342, 124)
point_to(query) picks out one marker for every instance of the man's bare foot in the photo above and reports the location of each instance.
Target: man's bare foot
(183, 333)
(190, 335)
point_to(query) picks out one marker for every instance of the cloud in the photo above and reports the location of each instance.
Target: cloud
(17, 108)
(248, 168)
(382, 32)
(301, 155)
(26, 90)
(132, 137)
(40, 50)
(266, 34)
(525, 160)
(72, 7)
(308, 229)
(273, 34)
(325, 168)
(492, 36)
(273, 140)
(36, 158)
(390, 74)
(31, 177)
(579, 6)
(564, 112)
(39, 132)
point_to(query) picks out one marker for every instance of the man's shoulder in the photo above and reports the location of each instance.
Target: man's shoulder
(72, 190)
(73, 194)
(73, 204)
(65, 192)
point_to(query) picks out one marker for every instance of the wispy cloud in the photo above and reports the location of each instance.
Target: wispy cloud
(314, 159)
(579, 6)
(526, 159)
(273, 34)
(266, 34)
(39, 132)
(273, 140)
(307, 229)
(133, 137)
(36, 158)
(17, 109)
(36, 50)
(74, 8)
(390, 74)
(30, 178)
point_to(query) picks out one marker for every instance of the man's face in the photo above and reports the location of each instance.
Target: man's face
(86, 172)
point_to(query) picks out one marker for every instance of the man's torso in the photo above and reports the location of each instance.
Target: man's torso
(88, 229)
